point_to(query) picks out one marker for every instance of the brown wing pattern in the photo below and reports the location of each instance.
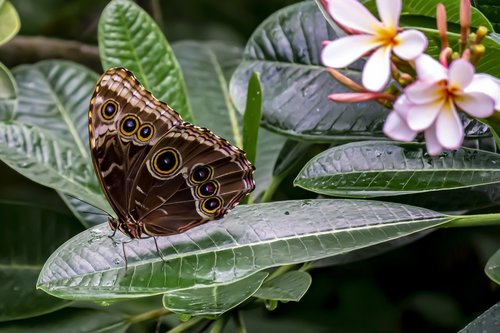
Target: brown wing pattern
(174, 202)
(161, 175)
(116, 154)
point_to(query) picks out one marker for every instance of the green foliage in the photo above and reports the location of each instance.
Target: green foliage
(261, 252)
(9, 21)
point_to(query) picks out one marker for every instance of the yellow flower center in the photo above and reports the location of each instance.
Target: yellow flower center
(387, 36)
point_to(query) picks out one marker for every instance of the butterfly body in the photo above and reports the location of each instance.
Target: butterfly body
(160, 174)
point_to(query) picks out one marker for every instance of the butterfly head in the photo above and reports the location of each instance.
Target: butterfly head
(133, 230)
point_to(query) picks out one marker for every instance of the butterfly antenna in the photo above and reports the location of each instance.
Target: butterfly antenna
(102, 210)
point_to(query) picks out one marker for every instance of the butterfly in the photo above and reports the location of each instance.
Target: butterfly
(160, 174)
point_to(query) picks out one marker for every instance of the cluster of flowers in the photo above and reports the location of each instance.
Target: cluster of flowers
(428, 101)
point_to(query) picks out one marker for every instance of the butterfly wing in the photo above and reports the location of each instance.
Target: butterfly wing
(189, 177)
(125, 122)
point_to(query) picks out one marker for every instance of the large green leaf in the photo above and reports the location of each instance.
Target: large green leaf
(489, 321)
(207, 68)
(50, 161)
(385, 169)
(55, 95)
(9, 21)
(8, 93)
(251, 238)
(252, 117)
(71, 320)
(285, 50)
(30, 233)
(213, 300)
(129, 37)
(491, 9)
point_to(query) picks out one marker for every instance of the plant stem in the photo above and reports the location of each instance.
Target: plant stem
(219, 325)
(480, 220)
(240, 323)
(185, 325)
(280, 271)
(273, 186)
(149, 315)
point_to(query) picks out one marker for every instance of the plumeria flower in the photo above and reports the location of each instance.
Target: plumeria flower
(371, 35)
(431, 103)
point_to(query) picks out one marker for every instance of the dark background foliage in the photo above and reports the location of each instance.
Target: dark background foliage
(434, 284)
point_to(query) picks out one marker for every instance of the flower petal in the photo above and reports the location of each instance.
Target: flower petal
(433, 146)
(411, 44)
(389, 11)
(422, 92)
(402, 105)
(449, 128)
(460, 74)
(429, 69)
(488, 85)
(354, 15)
(396, 128)
(421, 116)
(476, 104)
(344, 51)
(377, 69)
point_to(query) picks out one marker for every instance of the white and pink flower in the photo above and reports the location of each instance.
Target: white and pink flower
(380, 38)
(431, 104)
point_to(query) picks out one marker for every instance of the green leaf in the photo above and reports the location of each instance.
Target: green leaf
(492, 268)
(49, 161)
(71, 320)
(250, 239)
(491, 9)
(285, 50)
(386, 169)
(252, 117)
(207, 68)
(8, 93)
(290, 286)
(489, 321)
(213, 300)
(9, 21)
(129, 37)
(55, 95)
(213, 108)
(30, 233)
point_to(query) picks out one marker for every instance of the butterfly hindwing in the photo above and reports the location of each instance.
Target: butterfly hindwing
(189, 177)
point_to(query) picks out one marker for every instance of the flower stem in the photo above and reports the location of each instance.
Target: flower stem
(273, 186)
(219, 325)
(240, 323)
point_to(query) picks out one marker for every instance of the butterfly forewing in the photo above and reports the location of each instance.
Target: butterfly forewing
(160, 174)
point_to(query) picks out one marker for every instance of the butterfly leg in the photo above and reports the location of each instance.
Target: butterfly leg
(158, 250)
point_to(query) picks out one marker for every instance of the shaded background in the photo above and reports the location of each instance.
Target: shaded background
(435, 284)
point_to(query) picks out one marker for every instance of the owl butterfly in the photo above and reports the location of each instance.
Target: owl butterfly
(161, 175)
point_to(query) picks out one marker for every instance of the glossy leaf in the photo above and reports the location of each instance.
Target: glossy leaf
(285, 50)
(213, 300)
(71, 320)
(207, 68)
(8, 93)
(129, 37)
(30, 233)
(9, 21)
(55, 95)
(489, 321)
(49, 161)
(385, 169)
(290, 286)
(250, 239)
(252, 117)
